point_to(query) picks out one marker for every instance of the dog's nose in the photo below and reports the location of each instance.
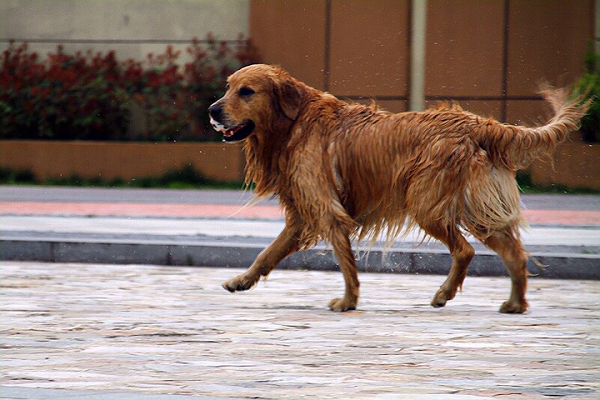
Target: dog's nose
(215, 111)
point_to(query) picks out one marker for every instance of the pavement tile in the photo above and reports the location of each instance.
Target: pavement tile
(143, 331)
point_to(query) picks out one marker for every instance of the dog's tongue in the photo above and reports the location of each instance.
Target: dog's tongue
(232, 131)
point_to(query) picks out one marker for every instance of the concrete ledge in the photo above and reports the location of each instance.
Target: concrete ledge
(241, 255)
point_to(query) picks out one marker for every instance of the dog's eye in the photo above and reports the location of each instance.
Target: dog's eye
(245, 92)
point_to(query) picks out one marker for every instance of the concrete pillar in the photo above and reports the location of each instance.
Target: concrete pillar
(417, 56)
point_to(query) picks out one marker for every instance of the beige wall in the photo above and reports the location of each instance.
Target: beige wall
(133, 28)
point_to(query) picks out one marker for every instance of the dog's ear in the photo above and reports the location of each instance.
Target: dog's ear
(290, 98)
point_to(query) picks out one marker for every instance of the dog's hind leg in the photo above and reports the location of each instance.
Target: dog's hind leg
(343, 251)
(284, 245)
(462, 254)
(508, 245)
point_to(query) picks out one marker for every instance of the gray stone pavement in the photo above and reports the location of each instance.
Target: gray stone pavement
(89, 331)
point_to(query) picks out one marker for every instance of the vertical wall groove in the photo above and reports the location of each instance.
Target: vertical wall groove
(505, 60)
(327, 56)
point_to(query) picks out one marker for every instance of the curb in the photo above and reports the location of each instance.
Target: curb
(241, 255)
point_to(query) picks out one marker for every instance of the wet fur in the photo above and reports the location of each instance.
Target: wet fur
(343, 171)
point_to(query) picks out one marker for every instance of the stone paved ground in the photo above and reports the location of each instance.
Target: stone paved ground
(172, 330)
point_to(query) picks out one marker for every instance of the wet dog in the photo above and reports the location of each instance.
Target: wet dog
(348, 171)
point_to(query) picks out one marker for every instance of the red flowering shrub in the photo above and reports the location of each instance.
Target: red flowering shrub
(63, 97)
(89, 96)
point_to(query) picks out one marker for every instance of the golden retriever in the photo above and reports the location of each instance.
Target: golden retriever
(348, 171)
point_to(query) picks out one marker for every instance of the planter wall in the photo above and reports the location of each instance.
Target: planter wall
(576, 165)
(109, 160)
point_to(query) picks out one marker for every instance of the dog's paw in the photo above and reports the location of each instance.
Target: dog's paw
(238, 284)
(512, 307)
(341, 305)
(440, 299)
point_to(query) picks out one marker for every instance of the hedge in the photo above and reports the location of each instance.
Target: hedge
(94, 96)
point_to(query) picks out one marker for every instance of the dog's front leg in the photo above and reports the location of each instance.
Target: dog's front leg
(284, 245)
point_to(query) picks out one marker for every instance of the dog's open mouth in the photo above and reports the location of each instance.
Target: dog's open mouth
(234, 133)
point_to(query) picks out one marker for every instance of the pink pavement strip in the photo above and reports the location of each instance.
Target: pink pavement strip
(562, 217)
(142, 210)
(559, 217)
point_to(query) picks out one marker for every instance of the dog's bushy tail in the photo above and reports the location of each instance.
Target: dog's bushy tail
(515, 147)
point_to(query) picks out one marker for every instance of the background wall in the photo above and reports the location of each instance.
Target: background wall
(489, 55)
(133, 28)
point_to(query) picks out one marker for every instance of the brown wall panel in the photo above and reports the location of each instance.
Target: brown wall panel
(395, 106)
(369, 47)
(484, 108)
(547, 41)
(464, 48)
(527, 112)
(574, 165)
(361, 48)
(291, 34)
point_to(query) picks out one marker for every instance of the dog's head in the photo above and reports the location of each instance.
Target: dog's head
(260, 99)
